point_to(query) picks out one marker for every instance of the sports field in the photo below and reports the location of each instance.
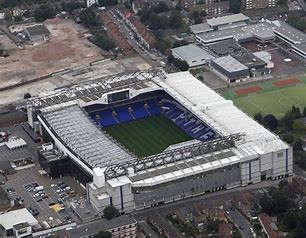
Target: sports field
(148, 136)
(272, 97)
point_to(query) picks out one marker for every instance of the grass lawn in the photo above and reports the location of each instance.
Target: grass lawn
(276, 102)
(147, 136)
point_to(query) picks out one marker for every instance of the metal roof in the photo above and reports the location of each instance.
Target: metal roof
(191, 52)
(289, 32)
(37, 30)
(199, 28)
(219, 113)
(227, 19)
(78, 133)
(230, 64)
(11, 218)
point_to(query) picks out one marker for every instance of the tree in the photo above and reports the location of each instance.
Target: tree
(235, 6)
(297, 145)
(104, 42)
(288, 138)
(258, 117)
(181, 64)
(175, 19)
(290, 219)
(270, 122)
(88, 17)
(26, 95)
(103, 234)
(266, 204)
(198, 20)
(108, 2)
(110, 212)
(280, 201)
(144, 14)
(161, 7)
(304, 112)
(203, 13)
(157, 22)
(44, 12)
(71, 6)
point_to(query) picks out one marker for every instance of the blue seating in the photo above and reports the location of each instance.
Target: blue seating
(170, 109)
(192, 126)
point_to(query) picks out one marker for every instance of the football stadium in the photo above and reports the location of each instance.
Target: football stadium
(141, 139)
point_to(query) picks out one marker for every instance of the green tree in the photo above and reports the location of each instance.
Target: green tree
(161, 7)
(198, 20)
(288, 138)
(110, 212)
(44, 12)
(175, 19)
(290, 219)
(270, 122)
(304, 112)
(103, 234)
(157, 22)
(266, 204)
(71, 6)
(280, 201)
(108, 2)
(258, 117)
(179, 43)
(104, 42)
(203, 13)
(88, 17)
(144, 14)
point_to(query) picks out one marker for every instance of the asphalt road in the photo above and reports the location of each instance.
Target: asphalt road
(235, 216)
(133, 42)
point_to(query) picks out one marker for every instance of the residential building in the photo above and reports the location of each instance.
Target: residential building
(251, 4)
(211, 9)
(122, 226)
(268, 225)
(37, 33)
(89, 3)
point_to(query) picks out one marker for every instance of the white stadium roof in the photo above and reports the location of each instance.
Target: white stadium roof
(218, 112)
(84, 138)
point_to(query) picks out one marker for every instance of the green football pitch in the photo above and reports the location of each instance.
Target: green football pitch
(147, 136)
(277, 101)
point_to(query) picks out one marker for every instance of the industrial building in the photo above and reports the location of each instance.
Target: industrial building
(18, 223)
(228, 148)
(231, 68)
(192, 54)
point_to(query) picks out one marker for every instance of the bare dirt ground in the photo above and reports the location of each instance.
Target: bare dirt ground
(67, 48)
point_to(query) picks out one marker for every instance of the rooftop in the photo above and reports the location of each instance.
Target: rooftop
(100, 225)
(199, 28)
(89, 145)
(250, 60)
(289, 32)
(225, 47)
(15, 217)
(300, 47)
(191, 51)
(227, 19)
(230, 64)
(37, 30)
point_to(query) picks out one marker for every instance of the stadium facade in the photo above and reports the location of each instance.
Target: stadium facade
(229, 149)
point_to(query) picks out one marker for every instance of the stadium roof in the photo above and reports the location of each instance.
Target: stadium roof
(9, 219)
(93, 89)
(227, 19)
(230, 64)
(190, 52)
(219, 113)
(88, 143)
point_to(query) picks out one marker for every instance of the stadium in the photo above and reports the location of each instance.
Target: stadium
(141, 139)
